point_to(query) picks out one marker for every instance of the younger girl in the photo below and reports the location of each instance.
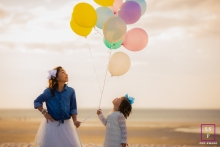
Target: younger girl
(116, 131)
(57, 129)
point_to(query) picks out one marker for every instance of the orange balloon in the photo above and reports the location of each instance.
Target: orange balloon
(135, 39)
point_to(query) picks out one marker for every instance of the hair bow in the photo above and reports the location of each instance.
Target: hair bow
(52, 73)
(130, 99)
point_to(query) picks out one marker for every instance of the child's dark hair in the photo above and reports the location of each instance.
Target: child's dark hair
(125, 107)
(53, 83)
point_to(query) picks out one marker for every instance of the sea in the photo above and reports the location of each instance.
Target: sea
(138, 117)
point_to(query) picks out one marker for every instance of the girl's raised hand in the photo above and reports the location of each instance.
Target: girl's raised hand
(99, 111)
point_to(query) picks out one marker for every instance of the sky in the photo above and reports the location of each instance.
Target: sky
(178, 69)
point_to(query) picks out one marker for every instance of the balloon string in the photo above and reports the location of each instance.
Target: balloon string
(98, 80)
(104, 81)
(100, 90)
(93, 64)
(78, 137)
(97, 31)
(108, 79)
(95, 110)
(88, 116)
(81, 123)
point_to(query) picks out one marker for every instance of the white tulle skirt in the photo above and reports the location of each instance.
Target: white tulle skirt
(52, 134)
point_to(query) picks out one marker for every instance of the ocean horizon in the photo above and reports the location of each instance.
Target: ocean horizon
(141, 115)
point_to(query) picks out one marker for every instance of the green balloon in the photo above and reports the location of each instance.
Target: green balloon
(114, 45)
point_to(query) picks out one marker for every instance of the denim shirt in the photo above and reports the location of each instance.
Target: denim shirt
(61, 106)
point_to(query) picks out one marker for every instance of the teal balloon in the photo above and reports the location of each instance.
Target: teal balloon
(110, 45)
(142, 3)
(103, 13)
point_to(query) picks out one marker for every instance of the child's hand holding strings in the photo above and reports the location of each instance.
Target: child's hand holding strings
(99, 111)
(124, 144)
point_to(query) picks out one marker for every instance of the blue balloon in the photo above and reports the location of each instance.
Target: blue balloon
(103, 13)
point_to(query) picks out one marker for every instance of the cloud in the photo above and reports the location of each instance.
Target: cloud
(182, 53)
(14, 18)
(182, 5)
(7, 45)
(191, 19)
(3, 13)
(54, 46)
(58, 47)
(44, 23)
(40, 24)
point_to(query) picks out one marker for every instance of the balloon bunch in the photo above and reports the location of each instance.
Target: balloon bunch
(112, 17)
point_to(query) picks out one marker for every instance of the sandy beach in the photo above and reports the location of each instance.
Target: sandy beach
(97, 145)
(22, 133)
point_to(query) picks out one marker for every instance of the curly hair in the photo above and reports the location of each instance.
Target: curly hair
(53, 83)
(125, 107)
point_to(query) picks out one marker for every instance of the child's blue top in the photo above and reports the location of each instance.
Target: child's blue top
(61, 106)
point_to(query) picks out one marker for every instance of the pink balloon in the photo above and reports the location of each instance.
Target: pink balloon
(116, 6)
(135, 39)
(130, 12)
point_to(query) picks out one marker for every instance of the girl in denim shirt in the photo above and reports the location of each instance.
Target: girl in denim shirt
(57, 129)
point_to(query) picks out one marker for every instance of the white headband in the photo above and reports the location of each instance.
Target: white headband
(52, 73)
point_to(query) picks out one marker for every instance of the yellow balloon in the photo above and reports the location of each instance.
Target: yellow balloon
(79, 30)
(119, 64)
(84, 15)
(104, 2)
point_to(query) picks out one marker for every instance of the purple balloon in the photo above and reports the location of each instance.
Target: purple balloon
(130, 12)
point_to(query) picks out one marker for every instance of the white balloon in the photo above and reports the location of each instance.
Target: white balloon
(119, 64)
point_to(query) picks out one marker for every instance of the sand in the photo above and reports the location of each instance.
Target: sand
(22, 133)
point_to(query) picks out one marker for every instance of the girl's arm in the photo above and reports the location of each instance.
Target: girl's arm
(40, 99)
(101, 117)
(73, 104)
(76, 123)
(73, 109)
(122, 125)
(38, 103)
(44, 112)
